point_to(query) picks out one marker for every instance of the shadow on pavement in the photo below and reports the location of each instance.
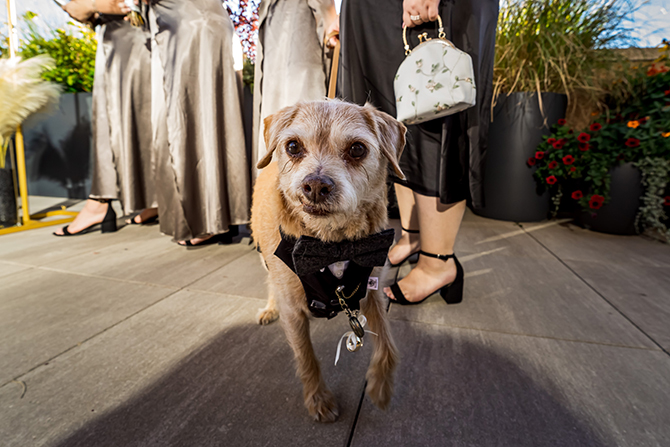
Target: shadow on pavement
(240, 389)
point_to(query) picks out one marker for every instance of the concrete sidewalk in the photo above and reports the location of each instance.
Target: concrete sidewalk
(126, 339)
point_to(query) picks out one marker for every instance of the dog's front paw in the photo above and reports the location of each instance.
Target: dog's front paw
(380, 389)
(267, 315)
(322, 406)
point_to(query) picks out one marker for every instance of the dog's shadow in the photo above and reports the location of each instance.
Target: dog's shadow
(240, 390)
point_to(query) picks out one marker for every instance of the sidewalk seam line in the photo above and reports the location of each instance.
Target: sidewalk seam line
(519, 334)
(175, 291)
(596, 291)
(354, 422)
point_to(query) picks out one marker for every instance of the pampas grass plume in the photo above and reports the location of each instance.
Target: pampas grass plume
(23, 92)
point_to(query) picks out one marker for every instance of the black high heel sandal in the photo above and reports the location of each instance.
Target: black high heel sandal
(451, 293)
(413, 257)
(108, 224)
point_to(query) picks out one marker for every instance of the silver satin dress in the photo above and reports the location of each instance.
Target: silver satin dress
(290, 62)
(202, 172)
(123, 160)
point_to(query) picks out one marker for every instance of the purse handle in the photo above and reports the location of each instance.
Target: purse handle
(440, 35)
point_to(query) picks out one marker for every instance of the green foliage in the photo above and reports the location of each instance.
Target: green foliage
(72, 51)
(636, 128)
(248, 73)
(560, 46)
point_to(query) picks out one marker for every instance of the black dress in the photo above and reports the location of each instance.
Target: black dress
(443, 158)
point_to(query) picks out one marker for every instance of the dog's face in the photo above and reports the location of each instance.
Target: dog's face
(332, 161)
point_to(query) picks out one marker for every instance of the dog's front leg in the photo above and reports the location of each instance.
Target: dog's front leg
(384, 355)
(319, 401)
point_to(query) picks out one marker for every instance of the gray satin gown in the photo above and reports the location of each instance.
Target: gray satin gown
(445, 157)
(288, 30)
(123, 156)
(202, 173)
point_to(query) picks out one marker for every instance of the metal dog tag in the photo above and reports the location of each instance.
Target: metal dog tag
(354, 343)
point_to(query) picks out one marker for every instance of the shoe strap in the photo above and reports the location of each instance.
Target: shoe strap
(409, 231)
(433, 255)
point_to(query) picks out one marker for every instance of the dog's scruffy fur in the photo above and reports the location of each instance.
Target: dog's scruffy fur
(347, 148)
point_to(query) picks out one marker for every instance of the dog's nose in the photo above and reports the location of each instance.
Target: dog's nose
(317, 188)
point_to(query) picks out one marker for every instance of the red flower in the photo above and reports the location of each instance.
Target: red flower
(539, 155)
(619, 157)
(596, 201)
(561, 122)
(577, 195)
(666, 201)
(595, 127)
(643, 119)
(667, 92)
(532, 161)
(573, 169)
(551, 140)
(551, 180)
(584, 146)
(584, 137)
(632, 142)
(568, 159)
(571, 131)
(558, 144)
(552, 164)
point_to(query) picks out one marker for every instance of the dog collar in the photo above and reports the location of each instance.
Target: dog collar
(309, 258)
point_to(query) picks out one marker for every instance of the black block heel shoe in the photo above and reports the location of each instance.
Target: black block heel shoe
(108, 224)
(451, 293)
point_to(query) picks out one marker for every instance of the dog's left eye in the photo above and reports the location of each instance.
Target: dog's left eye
(358, 150)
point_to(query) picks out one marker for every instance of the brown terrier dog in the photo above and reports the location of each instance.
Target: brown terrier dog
(328, 183)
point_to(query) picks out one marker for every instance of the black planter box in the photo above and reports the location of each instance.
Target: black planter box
(8, 209)
(618, 216)
(510, 189)
(59, 147)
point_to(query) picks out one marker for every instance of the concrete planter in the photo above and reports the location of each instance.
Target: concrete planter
(618, 216)
(59, 148)
(510, 189)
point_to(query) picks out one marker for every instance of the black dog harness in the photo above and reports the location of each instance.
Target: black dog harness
(309, 258)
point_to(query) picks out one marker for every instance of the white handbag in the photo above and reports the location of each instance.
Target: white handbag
(436, 79)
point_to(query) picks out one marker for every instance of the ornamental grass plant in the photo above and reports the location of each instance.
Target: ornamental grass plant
(560, 46)
(635, 128)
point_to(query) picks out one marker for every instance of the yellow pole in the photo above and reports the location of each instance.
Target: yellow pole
(13, 37)
(20, 152)
(21, 170)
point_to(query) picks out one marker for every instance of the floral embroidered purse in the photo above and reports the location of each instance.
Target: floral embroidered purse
(436, 79)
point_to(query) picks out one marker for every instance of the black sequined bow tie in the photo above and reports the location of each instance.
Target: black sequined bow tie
(311, 255)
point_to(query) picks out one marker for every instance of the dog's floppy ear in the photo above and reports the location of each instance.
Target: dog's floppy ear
(272, 124)
(391, 134)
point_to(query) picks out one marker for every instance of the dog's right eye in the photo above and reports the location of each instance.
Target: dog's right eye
(293, 148)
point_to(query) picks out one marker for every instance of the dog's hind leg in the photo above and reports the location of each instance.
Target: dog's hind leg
(384, 355)
(319, 401)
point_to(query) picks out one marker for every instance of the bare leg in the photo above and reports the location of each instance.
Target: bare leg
(409, 242)
(439, 225)
(144, 215)
(92, 213)
(385, 355)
